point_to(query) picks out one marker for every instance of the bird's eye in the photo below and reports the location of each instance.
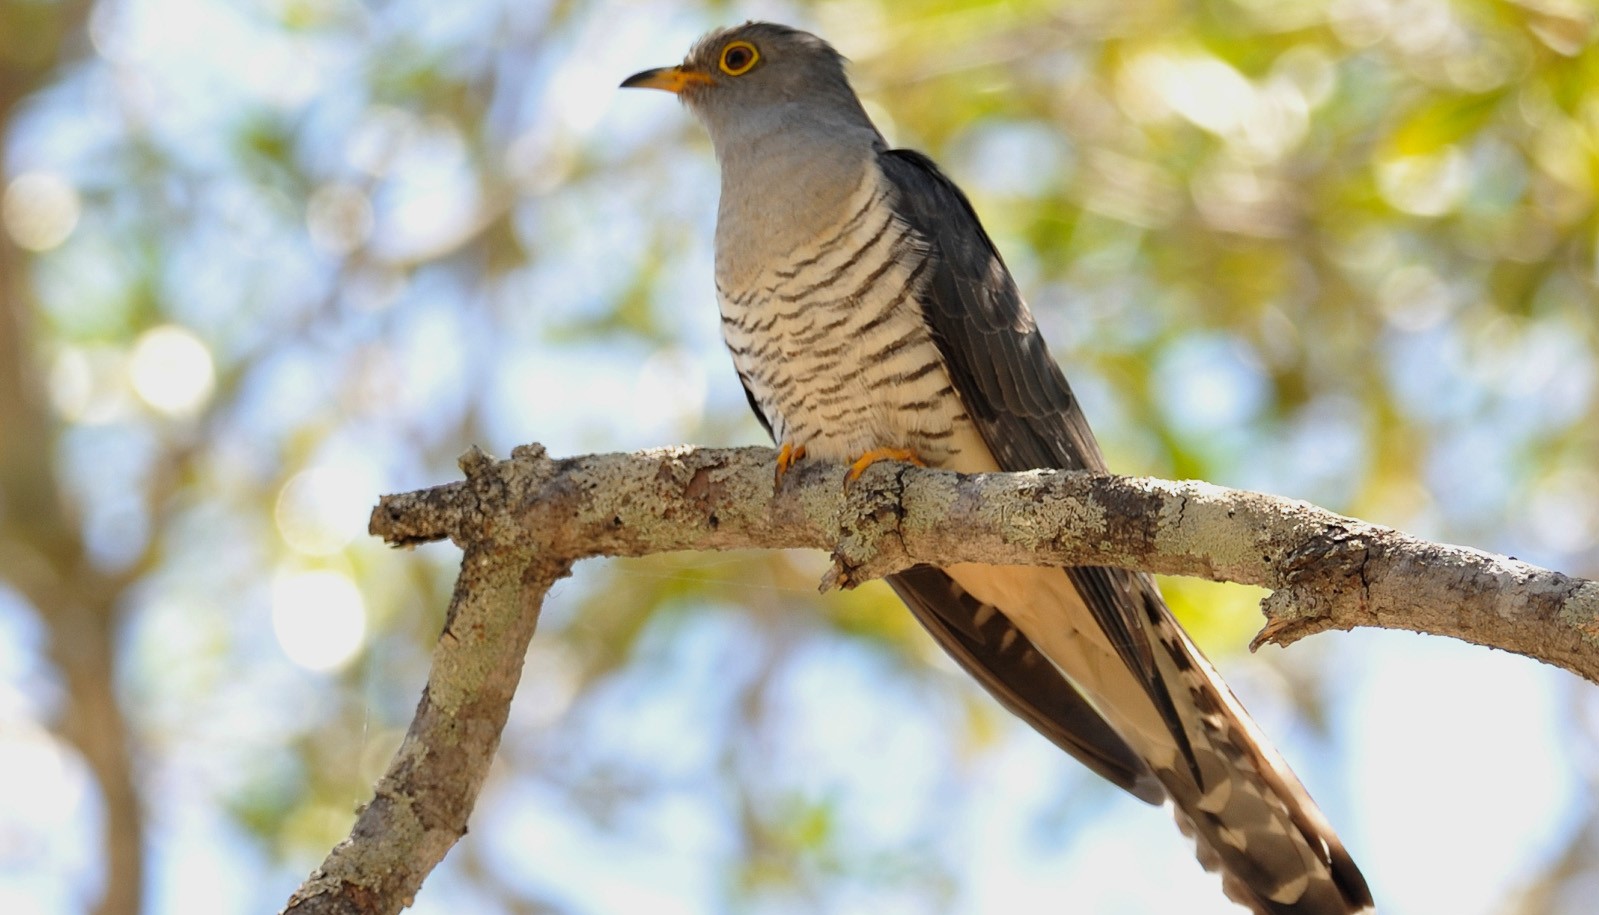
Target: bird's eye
(738, 57)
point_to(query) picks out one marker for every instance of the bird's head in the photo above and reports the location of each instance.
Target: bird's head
(747, 71)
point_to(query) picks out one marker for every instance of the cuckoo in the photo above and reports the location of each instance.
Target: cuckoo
(870, 317)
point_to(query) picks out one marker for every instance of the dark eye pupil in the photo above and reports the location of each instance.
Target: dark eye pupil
(737, 57)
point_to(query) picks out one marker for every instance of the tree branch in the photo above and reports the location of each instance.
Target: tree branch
(523, 522)
(1327, 571)
(421, 803)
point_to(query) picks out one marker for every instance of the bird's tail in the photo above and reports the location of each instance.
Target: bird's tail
(1247, 812)
(1128, 693)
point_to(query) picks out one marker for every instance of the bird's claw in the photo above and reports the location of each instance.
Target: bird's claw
(881, 454)
(787, 456)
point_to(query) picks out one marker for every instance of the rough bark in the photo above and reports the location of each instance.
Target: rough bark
(422, 802)
(523, 522)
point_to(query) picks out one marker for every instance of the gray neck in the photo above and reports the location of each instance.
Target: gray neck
(787, 174)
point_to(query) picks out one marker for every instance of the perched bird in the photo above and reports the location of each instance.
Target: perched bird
(870, 317)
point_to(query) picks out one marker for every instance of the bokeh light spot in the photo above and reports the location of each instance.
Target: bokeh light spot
(1423, 185)
(319, 511)
(1202, 89)
(89, 384)
(319, 618)
(71, 383)
(171, 370)
(40, 210)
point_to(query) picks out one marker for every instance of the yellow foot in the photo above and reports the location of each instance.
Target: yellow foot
(881, 454)
(787, 456)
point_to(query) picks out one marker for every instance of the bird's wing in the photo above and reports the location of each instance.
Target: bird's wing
(987, 646)
(1252, 816)
(1015, 393)
(755, 406)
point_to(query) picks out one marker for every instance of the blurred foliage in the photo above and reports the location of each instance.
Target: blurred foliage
(264, 261)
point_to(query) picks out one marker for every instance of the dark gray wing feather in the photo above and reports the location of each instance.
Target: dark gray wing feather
(1026, 413)
(985, 644)
(1015, 392)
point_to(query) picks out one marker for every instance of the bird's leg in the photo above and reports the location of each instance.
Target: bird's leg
(881, 454)
(787, 456)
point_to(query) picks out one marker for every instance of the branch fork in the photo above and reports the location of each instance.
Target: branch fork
(522, 523)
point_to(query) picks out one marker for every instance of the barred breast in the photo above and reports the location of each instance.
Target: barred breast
(832, 345)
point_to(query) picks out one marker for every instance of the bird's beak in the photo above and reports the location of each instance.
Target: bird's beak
(672, 79)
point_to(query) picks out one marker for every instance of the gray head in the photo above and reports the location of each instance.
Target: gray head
(791, 137)
(757, 77)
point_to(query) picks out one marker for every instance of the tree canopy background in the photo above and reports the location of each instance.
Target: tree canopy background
(262, 261)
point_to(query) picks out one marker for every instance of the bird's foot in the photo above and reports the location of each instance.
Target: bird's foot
(881, 454)
(787, 456)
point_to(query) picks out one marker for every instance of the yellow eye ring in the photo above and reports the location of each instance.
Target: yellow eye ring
(738, 58)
